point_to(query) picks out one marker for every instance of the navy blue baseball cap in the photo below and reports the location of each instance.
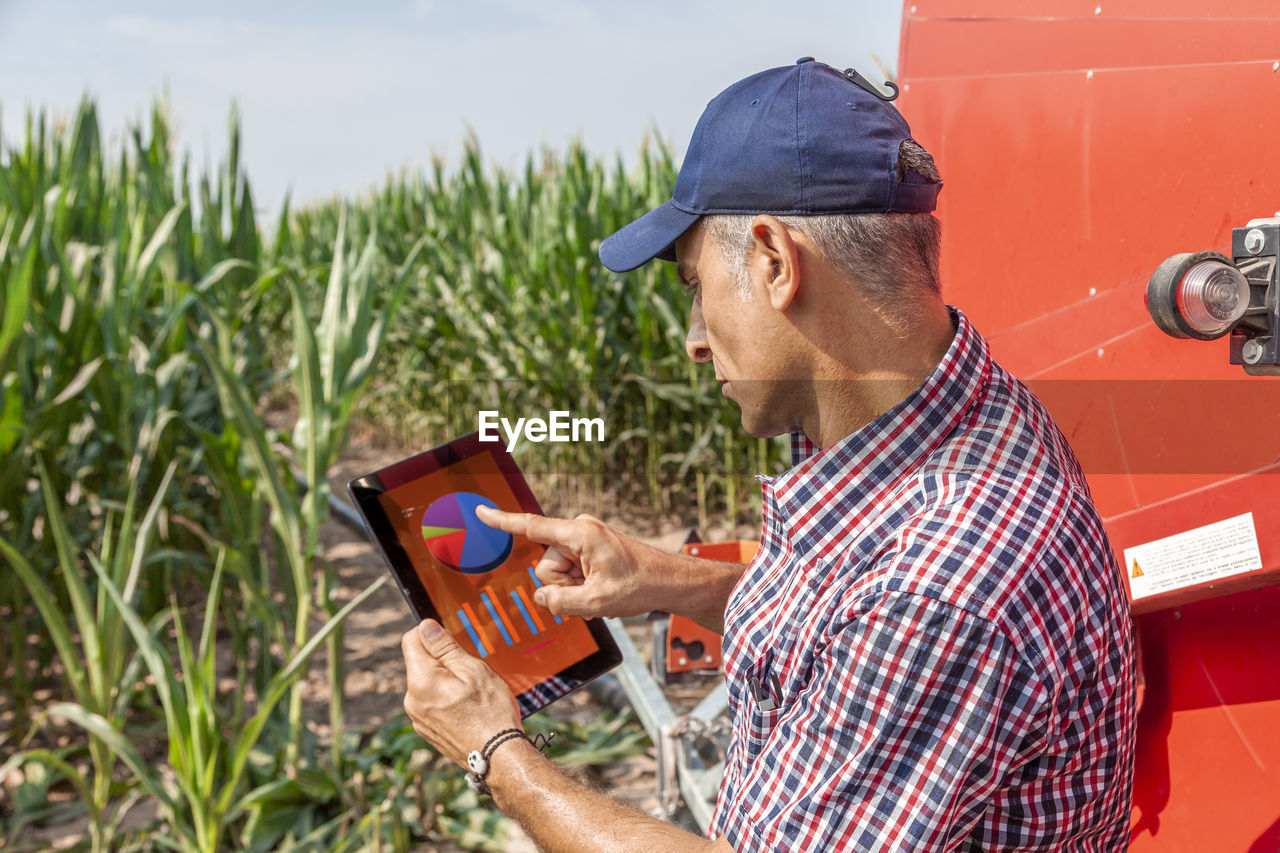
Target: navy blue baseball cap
(803, 139)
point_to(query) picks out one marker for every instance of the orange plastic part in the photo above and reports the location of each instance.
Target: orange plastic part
(691, 647)
(1082, 143)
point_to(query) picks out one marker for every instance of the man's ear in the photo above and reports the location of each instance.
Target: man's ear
(775, 260)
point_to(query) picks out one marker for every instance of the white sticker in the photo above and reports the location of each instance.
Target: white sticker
(1208, 553)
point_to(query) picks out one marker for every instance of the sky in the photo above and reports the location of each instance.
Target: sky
(334, 96)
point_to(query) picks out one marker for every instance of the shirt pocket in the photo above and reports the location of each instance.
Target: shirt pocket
(761, 723)
(778, 664)
(799, 621)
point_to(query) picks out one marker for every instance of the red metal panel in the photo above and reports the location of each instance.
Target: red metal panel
(1208, 770)
(1194, 507)
(1081, 144)
(1050, 345)
(1036, 10)
(1000, 46)
(1062, 186)
(1068, 191)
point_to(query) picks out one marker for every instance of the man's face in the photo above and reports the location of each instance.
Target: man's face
(735, 335)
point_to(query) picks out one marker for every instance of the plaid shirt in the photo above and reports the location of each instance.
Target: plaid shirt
(932, 649)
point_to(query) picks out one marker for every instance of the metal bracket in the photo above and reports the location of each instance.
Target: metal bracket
(681, 771)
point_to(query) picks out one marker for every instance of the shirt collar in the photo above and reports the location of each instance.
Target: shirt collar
(848, 476)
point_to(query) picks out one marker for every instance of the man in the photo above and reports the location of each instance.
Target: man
(932, 649)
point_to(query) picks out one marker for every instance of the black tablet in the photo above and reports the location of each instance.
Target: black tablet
(476, 581)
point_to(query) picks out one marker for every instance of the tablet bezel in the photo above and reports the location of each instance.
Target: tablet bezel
(364, 491)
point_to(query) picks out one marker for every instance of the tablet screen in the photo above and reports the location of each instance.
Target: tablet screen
(478, 581)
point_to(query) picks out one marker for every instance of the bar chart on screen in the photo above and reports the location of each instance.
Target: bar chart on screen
(504, 615)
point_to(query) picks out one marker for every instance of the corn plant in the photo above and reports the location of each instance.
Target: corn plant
(97, 680)
(145, 319)
(208, 766)
(332, 363)
(513, 312)
(94, 361)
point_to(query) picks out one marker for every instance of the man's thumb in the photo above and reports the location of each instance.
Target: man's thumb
(560, 600)
(438, 642)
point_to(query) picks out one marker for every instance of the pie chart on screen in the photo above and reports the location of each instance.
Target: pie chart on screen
(460, 540)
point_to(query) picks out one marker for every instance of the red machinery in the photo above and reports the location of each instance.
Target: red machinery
(1082, 143)
(681, 647)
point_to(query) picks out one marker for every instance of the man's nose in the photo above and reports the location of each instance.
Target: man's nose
(695, 343)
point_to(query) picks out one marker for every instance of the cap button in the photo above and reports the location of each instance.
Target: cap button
(802, 60)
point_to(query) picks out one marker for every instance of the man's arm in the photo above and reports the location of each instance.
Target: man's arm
(457, 702)
(590, 569)
(561, 815)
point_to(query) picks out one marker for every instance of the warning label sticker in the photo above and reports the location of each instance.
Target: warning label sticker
(1208, 553)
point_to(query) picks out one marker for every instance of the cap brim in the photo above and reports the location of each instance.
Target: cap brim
(651, 236)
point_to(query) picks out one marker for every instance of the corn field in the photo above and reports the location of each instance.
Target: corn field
(150, 516)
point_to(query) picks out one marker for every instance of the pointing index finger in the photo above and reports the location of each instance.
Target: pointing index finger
(539, 528)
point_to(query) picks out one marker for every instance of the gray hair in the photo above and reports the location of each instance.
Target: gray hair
(891, 255)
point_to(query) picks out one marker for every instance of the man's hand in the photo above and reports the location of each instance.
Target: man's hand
(589, 569)
(456, 701)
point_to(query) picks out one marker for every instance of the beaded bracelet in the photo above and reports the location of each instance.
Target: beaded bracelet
(478, 759)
